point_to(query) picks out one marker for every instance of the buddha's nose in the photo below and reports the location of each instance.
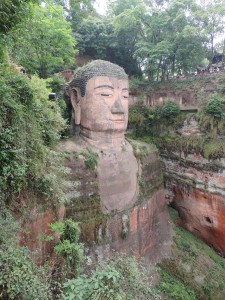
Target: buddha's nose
(117, 107)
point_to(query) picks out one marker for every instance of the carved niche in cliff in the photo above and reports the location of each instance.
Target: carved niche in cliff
(117, 198)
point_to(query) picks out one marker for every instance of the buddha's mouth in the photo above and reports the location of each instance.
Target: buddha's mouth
(117, 119)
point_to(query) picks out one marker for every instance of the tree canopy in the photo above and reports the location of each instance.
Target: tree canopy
(47, 45)
(155, 38)
(13, 12)
(150, 39)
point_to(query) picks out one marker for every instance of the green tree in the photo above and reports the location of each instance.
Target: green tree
(79, 10)
(210, 18)
(76, 10)
(127, 16)
(98, 38)
(163, 38)
(12, 12)
(95, 37)
(43, 45)
(171, 43)
(187, 41)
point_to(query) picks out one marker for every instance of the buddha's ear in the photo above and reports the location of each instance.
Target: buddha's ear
(75, 101)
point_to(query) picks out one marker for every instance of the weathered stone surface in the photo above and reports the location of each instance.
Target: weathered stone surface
(147, 232)
(203, 214)
(117, 173)
(99, 96)
(35, 226)
(187, 92)
(134, 224)
(196, 187)
(197, 172)
(139, 227)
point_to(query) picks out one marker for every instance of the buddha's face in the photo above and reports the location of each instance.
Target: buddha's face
(104, 108)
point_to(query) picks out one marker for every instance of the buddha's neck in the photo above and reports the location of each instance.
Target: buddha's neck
(103, 140)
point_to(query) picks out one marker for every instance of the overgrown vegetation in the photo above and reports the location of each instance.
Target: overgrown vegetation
(29, 125)
(210, 149)
(20, 278)
(120, 278)
(68, 246)
(194, 270)
(90, 158)
(146, 121)
(212, 116)
(160, 125)
(140, 119)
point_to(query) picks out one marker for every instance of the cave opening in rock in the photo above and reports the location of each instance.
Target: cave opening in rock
(208, 220)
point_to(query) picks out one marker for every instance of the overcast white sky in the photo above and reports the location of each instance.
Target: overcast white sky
(100, 6)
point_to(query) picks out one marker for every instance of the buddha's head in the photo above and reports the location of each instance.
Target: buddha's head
(99, 97)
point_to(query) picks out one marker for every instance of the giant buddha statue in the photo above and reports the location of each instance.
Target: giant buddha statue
(120, 201)
(99, 97)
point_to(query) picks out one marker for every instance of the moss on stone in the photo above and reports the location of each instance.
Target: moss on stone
(181, 179)
(150, 178)
(209, 148)
(139, 151)
(194, 269)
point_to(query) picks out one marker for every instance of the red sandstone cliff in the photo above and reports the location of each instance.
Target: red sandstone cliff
(196, 188)
(142, 229)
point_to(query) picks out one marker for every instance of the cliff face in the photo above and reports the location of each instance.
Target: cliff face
(193, 153)
(196, 188)
(188, 92)
(140, 229)
(34, 221)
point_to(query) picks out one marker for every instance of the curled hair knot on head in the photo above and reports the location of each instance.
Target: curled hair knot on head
(96, 68)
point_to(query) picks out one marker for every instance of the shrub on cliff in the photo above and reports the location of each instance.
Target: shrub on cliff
(29, 124)
(121, 278)
(168, 111)
(140, 119)
(19, 277)
(69, 248)
(212, 116)
(152, 121)
(215, 106)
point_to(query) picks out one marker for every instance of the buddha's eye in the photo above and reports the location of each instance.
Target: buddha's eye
(104, 91)
(125, 96)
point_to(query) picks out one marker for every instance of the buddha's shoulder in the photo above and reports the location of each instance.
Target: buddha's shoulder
(142, 148)
(73, 144)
